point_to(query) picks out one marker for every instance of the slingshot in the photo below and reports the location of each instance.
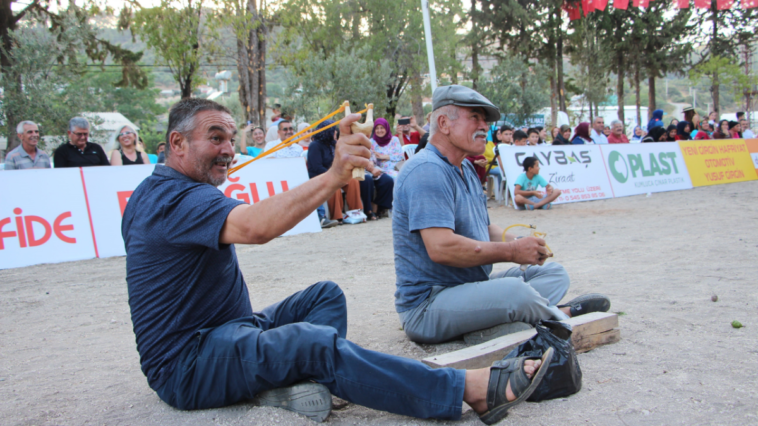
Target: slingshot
(365, 128)
(534, 233)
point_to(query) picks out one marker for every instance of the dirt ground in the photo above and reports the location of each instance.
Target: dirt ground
(68, 355)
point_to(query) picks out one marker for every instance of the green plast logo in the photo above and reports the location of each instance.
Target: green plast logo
(661, 164)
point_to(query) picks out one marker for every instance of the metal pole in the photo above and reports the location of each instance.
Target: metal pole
(429, 48)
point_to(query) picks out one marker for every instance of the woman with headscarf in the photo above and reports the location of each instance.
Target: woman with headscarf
(386, 150)
(320, 158)
(564, 133)
(735, 130)
(722, 131)
(656, 121)
(582, 134)
(657, 134)
(683, 131)
(128, 152)
(637, 135)
(671, 133)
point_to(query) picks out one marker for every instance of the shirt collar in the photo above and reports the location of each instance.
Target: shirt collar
(166, 171)
(23, 152)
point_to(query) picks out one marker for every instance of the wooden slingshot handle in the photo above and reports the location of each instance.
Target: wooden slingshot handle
(366, 128)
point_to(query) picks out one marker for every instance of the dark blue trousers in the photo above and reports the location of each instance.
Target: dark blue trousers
(383, 188)
(303, 338)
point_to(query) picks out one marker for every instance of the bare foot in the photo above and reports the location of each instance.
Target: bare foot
(477, 381)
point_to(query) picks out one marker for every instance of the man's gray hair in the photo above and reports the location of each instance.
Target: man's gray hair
(599, 117)
(78, 122)
(449, 111)
(615, 122)
(181, 117)
(20, 127)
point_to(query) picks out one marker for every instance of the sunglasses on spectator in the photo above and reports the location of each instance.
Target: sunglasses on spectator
(287, 129)
(125, 133)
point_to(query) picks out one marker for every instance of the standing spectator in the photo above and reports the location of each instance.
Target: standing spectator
(703, 131)
(506, 134)
(746, 132)
(597, 135)
(582, 134)
(27, 155)
(617, 133)
(161, 151)
(542, 134)
(740, 115)
(307, 141)
(426, 126)
(534, 136)
(78, 152)
(405, 135)
(554, 133)
(722, 131)
(689, 114)
(258, 136)
(385, 148)
(713, 119)
(422, 143)
(128, 152)
(607, 131)
(520, 138)
(276, 114)
(656, 121)
(674, 122)
(683, 131)
(734, 129)
(564, 134)
(285, 131)
(638, 135)
(320, 159)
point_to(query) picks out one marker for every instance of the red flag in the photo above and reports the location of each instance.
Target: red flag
(573, 10)
(641, 3)
(703, 4)
(586, 6)
(724, 4)
(749, 4)
(683, 4)
(599, 4)
(623, 4)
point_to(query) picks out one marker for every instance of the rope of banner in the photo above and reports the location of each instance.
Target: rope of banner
(297, 137)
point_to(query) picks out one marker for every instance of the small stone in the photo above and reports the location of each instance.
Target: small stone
(714, 298)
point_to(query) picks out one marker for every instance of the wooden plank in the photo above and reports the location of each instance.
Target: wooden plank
(589, 331)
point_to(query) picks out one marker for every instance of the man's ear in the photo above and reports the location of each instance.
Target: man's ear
(177, 141)
(443, 124)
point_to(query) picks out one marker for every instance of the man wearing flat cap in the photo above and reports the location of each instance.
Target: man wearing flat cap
(445, 244)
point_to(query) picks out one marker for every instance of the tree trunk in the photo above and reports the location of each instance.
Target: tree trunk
(637, 103)
(185, 84)
(474, 49)
(651, 97)
(713, 46)
(620, 84)
(559, 67)
(261, 71)
(12, 83)
(251, 66)
(553, 102)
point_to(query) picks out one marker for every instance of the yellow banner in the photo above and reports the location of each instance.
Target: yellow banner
(715, 162)
(752, 147)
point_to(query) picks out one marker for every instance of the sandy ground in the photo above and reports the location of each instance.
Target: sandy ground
(68, 356)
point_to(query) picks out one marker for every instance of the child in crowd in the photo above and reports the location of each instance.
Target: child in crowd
(519, 138)
(528, 197)
(533, 136)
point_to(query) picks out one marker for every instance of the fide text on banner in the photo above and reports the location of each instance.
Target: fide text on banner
(752, 148)
(645, 167)
(577, 170)
(43, 218)
(714, 162)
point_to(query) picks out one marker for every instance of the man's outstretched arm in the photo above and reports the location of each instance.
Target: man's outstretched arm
(261, 222)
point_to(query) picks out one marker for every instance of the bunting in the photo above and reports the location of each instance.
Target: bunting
(703, 4)
(576, 8)
(623, 4)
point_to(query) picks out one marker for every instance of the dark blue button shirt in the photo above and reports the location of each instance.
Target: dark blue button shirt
(180, 278)
(430, 192)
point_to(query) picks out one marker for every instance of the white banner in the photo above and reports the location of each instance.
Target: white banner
(58, 215)
(43, 218)
(646, 167)
(577, 170)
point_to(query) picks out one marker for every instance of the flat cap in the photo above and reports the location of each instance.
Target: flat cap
(688, 109)
(465, 97)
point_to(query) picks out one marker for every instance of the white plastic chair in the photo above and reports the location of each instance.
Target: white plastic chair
(304, 154)
(409, 150)
(503, 182)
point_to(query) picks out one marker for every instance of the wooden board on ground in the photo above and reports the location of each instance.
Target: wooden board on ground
(589, 331)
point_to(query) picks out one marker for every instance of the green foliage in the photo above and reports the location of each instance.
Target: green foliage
(728, 72)
(518, 87)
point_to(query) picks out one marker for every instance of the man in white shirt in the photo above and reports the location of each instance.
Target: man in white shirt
(746, 132)
(597, 131)
(285, 130)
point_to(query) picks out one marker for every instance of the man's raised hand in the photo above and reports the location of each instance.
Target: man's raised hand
(352, 151)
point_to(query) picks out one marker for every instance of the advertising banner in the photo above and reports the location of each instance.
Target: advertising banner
(752, 148)
(577, 170)
(645, 167)
(43, 218)
(715, 162)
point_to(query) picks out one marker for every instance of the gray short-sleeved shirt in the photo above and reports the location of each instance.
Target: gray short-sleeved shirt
(431, 193)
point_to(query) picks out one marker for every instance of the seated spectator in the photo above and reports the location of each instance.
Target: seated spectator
(506, 134)
(703, 132)
(671, 133)
(617, 133)
(582, 134)
(320, 159)
(128, 152)
(376, 192)
(658, 134)
(746, 132)
(564, 134)
(79, 152)
(480, 166)
(258, 140)
(638, 135)
(527, 193)
(161, 151)
(520, 138)
(542, 134)
(307, 141)
(534, 136)
(285, 131)
(27, 155)
(683, 131)
(405, 133)
(734, 129)
(607, 131)
(597, 133)
(422, 143)
(656, 121)
(722, 131)
(385, 148)
(554, 133)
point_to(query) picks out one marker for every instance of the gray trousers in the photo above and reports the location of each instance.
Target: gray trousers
(508, 296)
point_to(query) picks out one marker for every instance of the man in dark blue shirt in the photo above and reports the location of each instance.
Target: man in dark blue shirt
(200, 343)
